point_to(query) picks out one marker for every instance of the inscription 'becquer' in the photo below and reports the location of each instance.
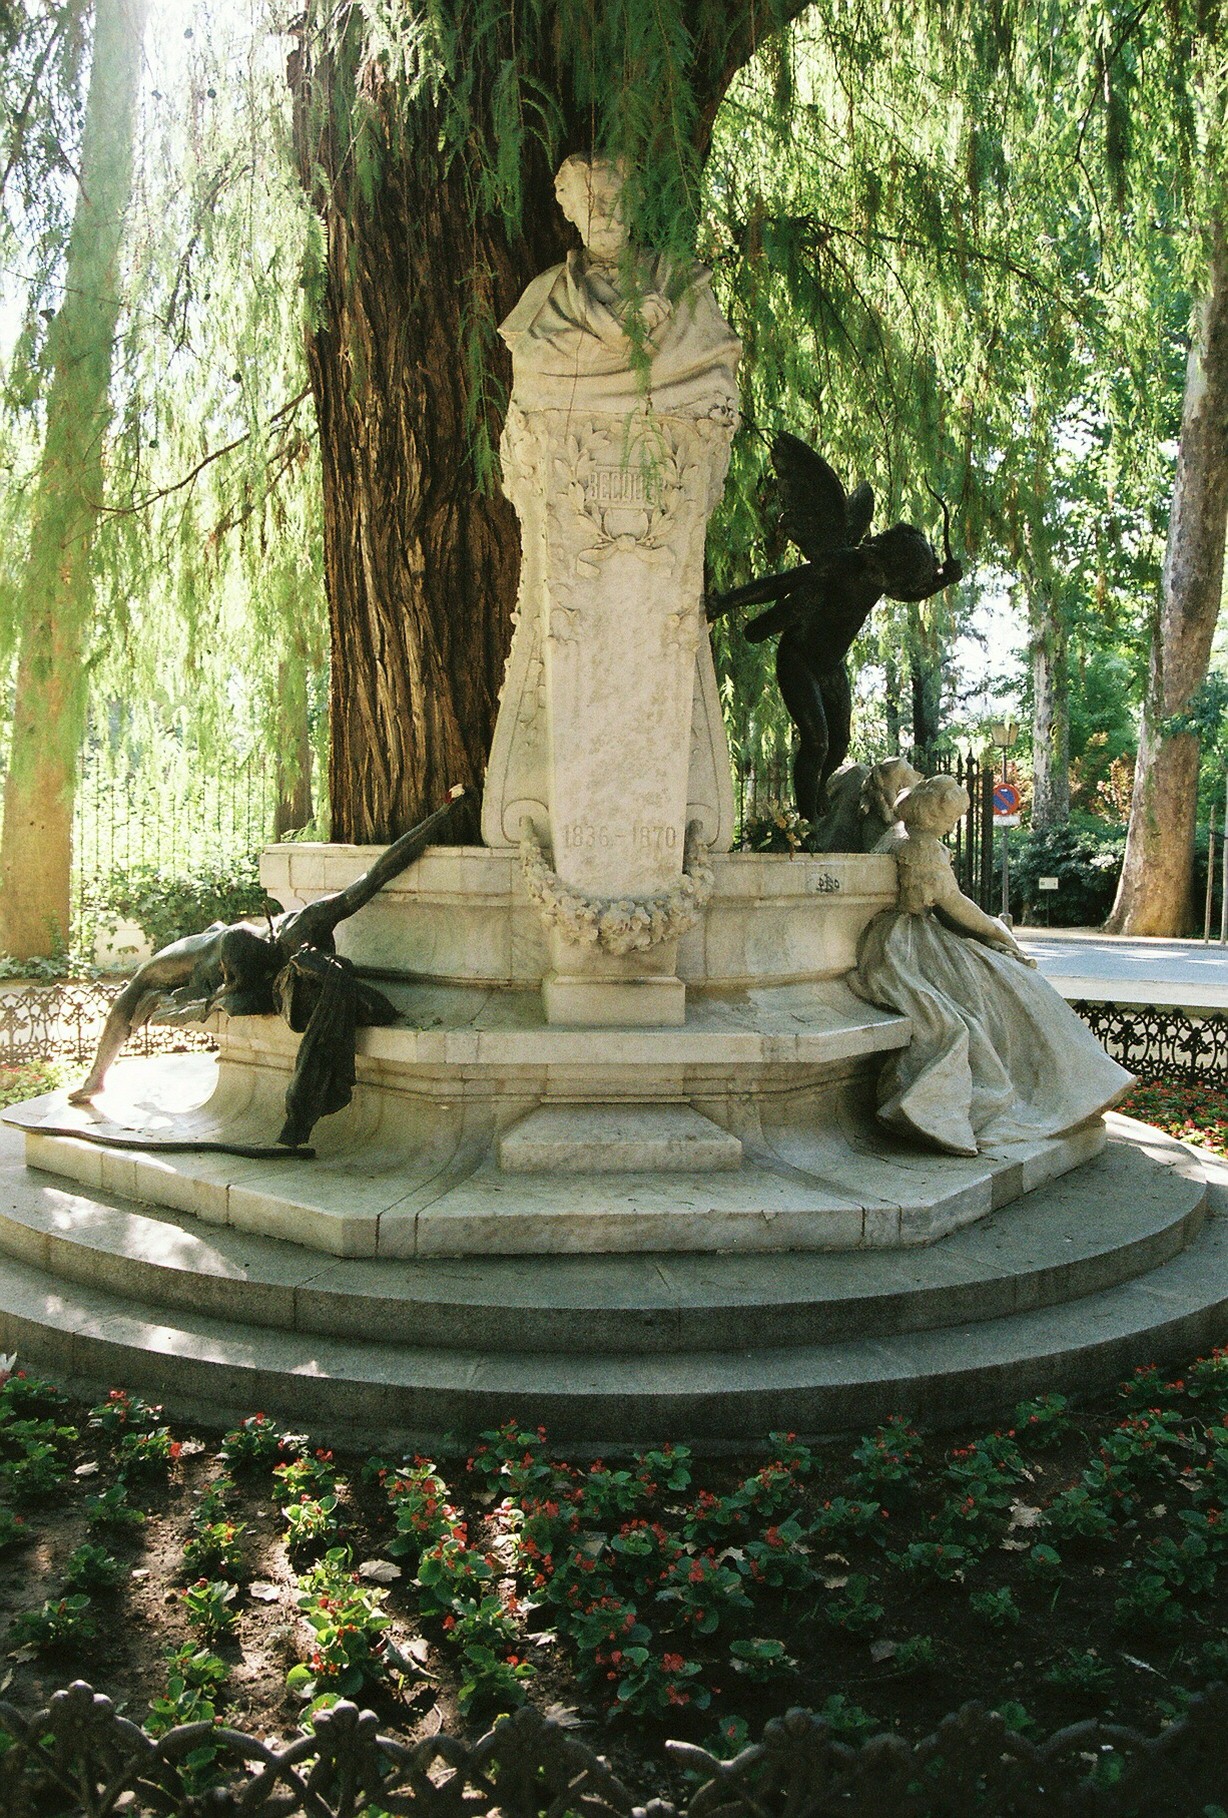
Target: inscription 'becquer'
(621, 486)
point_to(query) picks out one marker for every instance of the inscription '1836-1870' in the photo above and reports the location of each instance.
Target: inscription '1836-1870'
(655, 836)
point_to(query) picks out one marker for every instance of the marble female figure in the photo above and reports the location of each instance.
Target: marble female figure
(996, 1055)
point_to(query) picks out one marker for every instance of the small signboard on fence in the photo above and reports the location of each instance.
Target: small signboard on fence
(1048, 883)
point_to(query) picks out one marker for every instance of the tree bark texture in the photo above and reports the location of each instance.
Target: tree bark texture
(1050, 717)
(57, 586)
(1153, 896)
(421, 566)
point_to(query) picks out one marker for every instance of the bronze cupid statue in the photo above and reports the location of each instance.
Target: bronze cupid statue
(824, 604)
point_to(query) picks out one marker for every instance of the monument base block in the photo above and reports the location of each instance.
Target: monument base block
(608, 1003)
(617, 1139)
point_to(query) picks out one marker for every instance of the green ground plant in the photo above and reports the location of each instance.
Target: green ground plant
(61, 1623)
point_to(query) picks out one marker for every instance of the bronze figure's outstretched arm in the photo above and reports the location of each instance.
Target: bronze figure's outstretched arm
(307, 926)
(758, 593)
(232, 966)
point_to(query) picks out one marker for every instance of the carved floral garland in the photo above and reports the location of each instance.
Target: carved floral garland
(618, 924)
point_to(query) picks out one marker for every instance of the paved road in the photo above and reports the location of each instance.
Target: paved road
(1082, 963)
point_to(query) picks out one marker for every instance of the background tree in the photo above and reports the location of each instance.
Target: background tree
(204, 636)
(54, 609)
(1154, 893)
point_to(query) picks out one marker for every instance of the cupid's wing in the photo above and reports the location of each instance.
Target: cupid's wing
(815, 514)
(859, 512)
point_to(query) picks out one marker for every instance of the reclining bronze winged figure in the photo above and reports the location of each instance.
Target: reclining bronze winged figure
(822, 605)
(291, 965)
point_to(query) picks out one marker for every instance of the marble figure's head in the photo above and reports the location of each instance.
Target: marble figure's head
(588, 193)
(884, 784)
(933, 806)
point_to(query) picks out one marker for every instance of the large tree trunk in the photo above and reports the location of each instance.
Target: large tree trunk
(57, 588)
(1153, 896)
(421, 565)
(1050, 717)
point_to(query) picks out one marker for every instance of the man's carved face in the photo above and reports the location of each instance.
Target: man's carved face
(588, 194)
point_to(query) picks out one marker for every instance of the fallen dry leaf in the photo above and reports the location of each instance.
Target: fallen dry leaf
(565, 1715)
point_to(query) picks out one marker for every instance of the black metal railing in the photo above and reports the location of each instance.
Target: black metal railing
(1160, 1042)
(78, 1754)
(63, 1020)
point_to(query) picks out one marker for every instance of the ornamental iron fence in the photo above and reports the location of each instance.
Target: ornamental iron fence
(62, 1021)
(1159, 1042)
(79, 1755)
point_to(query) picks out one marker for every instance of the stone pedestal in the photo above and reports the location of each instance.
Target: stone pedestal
(609, 742)
(609, 768)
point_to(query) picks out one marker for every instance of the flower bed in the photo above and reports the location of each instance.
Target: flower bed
(1194, 1113)
(1069, 1563)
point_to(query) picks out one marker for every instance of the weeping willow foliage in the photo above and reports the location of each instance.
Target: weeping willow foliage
(43, 55)
(963, 255)
(503, 81)
(208, 567)
(211, 546)
(959, 244)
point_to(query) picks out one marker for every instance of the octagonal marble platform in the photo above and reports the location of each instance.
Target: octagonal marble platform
(478, 1128)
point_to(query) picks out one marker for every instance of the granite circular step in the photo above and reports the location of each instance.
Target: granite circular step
(1125, 1213)
(370, 1394)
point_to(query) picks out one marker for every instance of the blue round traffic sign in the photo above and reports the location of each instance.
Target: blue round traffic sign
(1005, 799)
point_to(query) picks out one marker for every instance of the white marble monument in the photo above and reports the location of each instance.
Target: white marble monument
(615, 1035)
(609, 766)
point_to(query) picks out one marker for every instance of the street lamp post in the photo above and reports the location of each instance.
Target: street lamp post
(1004, 734)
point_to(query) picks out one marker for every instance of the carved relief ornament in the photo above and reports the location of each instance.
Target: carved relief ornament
(622, 924)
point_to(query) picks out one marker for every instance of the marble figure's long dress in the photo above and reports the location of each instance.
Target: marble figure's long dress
(996, 1055)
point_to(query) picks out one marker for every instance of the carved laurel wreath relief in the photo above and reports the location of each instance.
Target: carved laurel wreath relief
(618, 924)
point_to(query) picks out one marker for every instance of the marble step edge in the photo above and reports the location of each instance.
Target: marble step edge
(469, 1209)
(216, 1372)
(1121, 1215)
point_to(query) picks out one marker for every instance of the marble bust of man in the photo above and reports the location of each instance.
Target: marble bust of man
(573, 332)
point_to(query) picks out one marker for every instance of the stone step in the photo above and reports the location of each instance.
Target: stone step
(217, 1369)
(1119, 1216)
(408, 1179)
(616, 1139)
